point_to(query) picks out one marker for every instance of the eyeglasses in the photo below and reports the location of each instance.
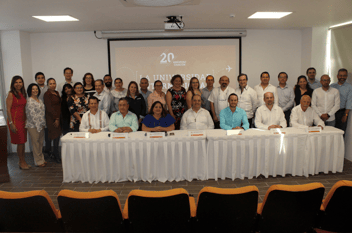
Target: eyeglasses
(78, 87)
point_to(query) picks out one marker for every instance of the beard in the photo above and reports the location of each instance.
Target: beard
(108, 84)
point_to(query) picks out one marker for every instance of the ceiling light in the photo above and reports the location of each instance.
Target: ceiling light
(269, 15)
(56, 18)
(341, 24)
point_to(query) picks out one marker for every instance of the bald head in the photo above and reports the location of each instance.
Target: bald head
(269, 99)
(305, 102)
(325, 80)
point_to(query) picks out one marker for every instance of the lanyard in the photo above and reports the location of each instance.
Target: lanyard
(90, 126)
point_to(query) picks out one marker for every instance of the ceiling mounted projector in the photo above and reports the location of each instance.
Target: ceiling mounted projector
(174, 23)
(158, 3)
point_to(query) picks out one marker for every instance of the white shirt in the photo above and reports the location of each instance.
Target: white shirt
(260, 94)
(200, 120)
(264, 117)
(61, 85)
(326, 102)
(247, 100)
(97, 121)
(219, 98)
(42, 92)
(300, 118)
(105, 101)
(108, 90)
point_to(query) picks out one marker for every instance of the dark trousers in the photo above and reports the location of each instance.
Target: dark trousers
(287, 117)
(338, 119)
(47, 144)
(250, 121)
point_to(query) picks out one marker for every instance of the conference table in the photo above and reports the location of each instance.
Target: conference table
(214, 155)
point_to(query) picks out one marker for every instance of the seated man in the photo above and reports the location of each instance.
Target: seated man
(94, 120)
(303, 115)
(269, 116)
(197, 117)
(232, 117)
(123, 121)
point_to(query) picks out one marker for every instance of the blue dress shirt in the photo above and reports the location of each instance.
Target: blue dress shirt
(345, 94)
(117, 121)
(229, 120)
(315, 85)
(151, 122)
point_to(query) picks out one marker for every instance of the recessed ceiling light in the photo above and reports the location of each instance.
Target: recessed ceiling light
(56, 18)
(341, 24)
(269, 15)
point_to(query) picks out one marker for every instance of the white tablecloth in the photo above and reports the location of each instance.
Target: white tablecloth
(258, 152)
(100, 158)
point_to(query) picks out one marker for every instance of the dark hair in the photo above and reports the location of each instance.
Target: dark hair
(124, 98)
(64, 95)
(47, 81)
(128, 89)
(300, 77)
(238, 77)
(163, 112)
(311, 68)
(209, 76)
(12, 87)
(29, 89)
(107, 75)
(84, 79)
(232, 94)
(190, 88)
(196, 95)
(175, 77)
(37, 74)
(93, 98)
(118, 79)
(265, 72)
(99, 80)
(76, 84)
(143, 79)
(158, 81)
(68, 68)
(342, 70)
(282, 73)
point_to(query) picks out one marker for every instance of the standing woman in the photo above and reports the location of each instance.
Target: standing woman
(176, 99)
(157, 95)
(78, 105)
(52, 103)
(88, 84)
(302, 88)
(16, 117)
(192, 90)
(136, 101)
(67, 92)
(118, 93)
(35, 112)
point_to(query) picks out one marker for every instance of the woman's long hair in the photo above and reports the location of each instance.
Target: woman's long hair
(13, 89)
(128, 89)
(64, 95)
(190, 88)
(299, 78)
(163, 112)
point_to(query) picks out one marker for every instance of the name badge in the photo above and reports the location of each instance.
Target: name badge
(81, 135)
(198, 133)
(234, 132)
(155, 134)
(314, 129)
(277, 131)
(119, 135)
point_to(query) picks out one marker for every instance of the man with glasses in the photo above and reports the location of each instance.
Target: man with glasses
(326, 101)
(345, 90)
(68, 73)
(103, 96)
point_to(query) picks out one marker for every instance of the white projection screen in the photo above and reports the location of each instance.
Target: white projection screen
(160, 59)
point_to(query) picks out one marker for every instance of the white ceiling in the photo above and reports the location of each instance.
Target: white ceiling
(113, 15)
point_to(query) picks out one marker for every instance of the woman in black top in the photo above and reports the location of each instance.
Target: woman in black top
(88, 84)
(302, 88)
(136, 101)
(67, 92)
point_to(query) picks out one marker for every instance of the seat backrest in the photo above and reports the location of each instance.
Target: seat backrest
(290, 208)
(337, 208)
(91, 211)
(158, 211)
(31, 211)
(227, 210)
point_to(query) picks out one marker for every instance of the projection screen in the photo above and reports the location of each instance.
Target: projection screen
(160, 59)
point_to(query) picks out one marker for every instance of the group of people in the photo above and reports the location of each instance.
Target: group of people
(49, 110)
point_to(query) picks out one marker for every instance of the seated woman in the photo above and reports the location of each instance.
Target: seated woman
(232, 116)
(158, 120)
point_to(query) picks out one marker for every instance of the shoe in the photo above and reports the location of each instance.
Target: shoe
(24, 168)
(42, 165)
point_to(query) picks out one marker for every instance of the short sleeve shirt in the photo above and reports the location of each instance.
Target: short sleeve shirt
(151, 122)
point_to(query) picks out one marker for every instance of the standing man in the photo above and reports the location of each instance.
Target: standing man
(265, 87)
(103, 96)
(144, 84)
(270, 115)
(206, 91)
(345, 90)
(312, 82)
(68, 73)
(108, 83)
(247, 97)
(286, 96)
(218, 99)
(326, 101)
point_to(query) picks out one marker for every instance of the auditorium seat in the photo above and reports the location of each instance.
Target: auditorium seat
(337, 208)
(290, 208)
(159, 211)
(91, 211)
(227, 210)
(31, 211)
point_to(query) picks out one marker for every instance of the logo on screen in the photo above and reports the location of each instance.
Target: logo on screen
(166, 58)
